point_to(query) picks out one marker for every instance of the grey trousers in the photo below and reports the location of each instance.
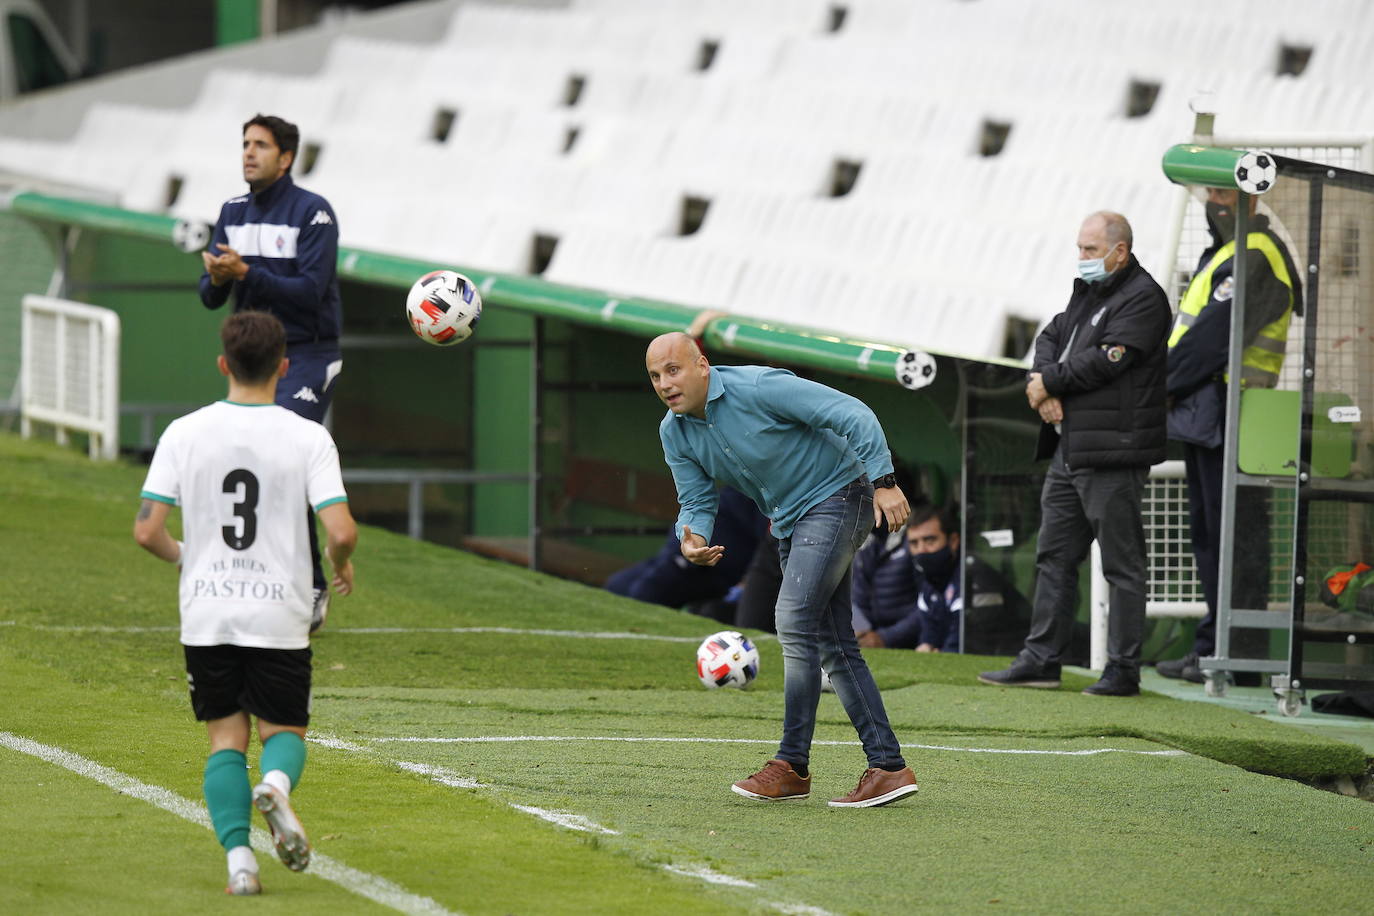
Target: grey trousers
(1077, 506)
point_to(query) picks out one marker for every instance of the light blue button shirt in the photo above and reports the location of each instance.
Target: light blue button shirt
(783, 441)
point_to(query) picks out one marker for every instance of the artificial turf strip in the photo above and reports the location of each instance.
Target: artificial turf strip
(1028, 833)
(62, 505)
(1037, 833)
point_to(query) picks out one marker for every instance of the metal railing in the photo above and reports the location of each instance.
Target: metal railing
(1172, 588)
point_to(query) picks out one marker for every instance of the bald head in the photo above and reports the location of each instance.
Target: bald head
(1106, 235)
(679, 373)
(1115, 226)
(675, 342)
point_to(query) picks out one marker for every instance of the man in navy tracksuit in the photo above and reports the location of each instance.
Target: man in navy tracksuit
(276, 248)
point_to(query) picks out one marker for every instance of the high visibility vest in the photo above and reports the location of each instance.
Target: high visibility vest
(1262, 357)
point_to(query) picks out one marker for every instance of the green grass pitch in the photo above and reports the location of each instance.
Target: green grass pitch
(601, 780)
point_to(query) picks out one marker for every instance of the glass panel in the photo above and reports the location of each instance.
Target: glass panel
(1001, 516)
(1337, 631)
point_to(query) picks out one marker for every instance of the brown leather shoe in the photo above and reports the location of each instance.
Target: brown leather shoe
(878, 787)
(777, 781)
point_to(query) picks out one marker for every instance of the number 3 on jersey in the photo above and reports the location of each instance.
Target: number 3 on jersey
(242, 534)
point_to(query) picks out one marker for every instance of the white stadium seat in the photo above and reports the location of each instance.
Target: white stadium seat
(965, 142)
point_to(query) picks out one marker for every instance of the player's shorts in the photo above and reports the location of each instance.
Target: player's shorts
(271, 684)
(308, 386)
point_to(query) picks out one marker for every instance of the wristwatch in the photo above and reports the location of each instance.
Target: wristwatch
(885, 481)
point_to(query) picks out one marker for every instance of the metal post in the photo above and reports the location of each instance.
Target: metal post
(1225, 560)
(1099, 607)
(536, 433)
(966, 526)
(61, 399)
(415, 522)
(95, 441)
(1302, 505)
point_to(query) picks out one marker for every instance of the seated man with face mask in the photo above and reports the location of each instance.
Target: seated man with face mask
(908, 592)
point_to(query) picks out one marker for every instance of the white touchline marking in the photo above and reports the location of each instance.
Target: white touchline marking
(515, 631)
(373, 887)
(373, 631)
(441, 775)
(708, 875)
(55, 628)
(337, 744)
(501, 739)
(566, 819)
(1087, 752)
(799, 909)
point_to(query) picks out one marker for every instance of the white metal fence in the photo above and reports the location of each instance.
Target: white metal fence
(1171, 586)
(69, 371)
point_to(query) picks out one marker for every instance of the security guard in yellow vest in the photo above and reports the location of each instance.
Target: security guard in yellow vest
(1198, 351)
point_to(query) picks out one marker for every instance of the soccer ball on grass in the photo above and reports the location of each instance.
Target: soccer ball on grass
(727, 659)
(443, 308)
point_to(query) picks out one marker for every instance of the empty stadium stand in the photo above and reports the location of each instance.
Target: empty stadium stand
(911, 172)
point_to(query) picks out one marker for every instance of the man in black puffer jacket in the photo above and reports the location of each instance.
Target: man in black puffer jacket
(1098, 384)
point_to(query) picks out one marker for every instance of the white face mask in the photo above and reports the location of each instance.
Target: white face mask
(1093, 271)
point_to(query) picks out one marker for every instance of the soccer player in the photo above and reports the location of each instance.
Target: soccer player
(239, 469)
(275, 248)
(804, 453)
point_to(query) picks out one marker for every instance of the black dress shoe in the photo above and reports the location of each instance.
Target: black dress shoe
(1114, 683)
(1023, 674)
(1177, 667)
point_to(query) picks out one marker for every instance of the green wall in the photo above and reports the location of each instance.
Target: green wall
(28, 266)
(402, 404)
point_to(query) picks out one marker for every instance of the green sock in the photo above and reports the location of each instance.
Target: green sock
(229, 797)
(284, 751)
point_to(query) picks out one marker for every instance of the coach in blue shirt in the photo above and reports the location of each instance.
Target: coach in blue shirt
(805, 454)
(276, 249)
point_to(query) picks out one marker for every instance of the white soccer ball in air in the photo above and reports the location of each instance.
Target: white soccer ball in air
(443, 307)
(1255, 172)
(727, 659)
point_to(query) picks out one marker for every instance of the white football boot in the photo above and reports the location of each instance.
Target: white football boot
(244, 883)
(287, 833)
(320, 610)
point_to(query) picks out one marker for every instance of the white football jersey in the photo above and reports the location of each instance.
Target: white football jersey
(243, 475)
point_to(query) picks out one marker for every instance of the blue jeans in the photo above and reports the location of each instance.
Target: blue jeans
(815, 628)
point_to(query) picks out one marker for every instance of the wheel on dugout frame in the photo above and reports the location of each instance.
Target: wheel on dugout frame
(1256, 172)
(727, 659)
(443, 307)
